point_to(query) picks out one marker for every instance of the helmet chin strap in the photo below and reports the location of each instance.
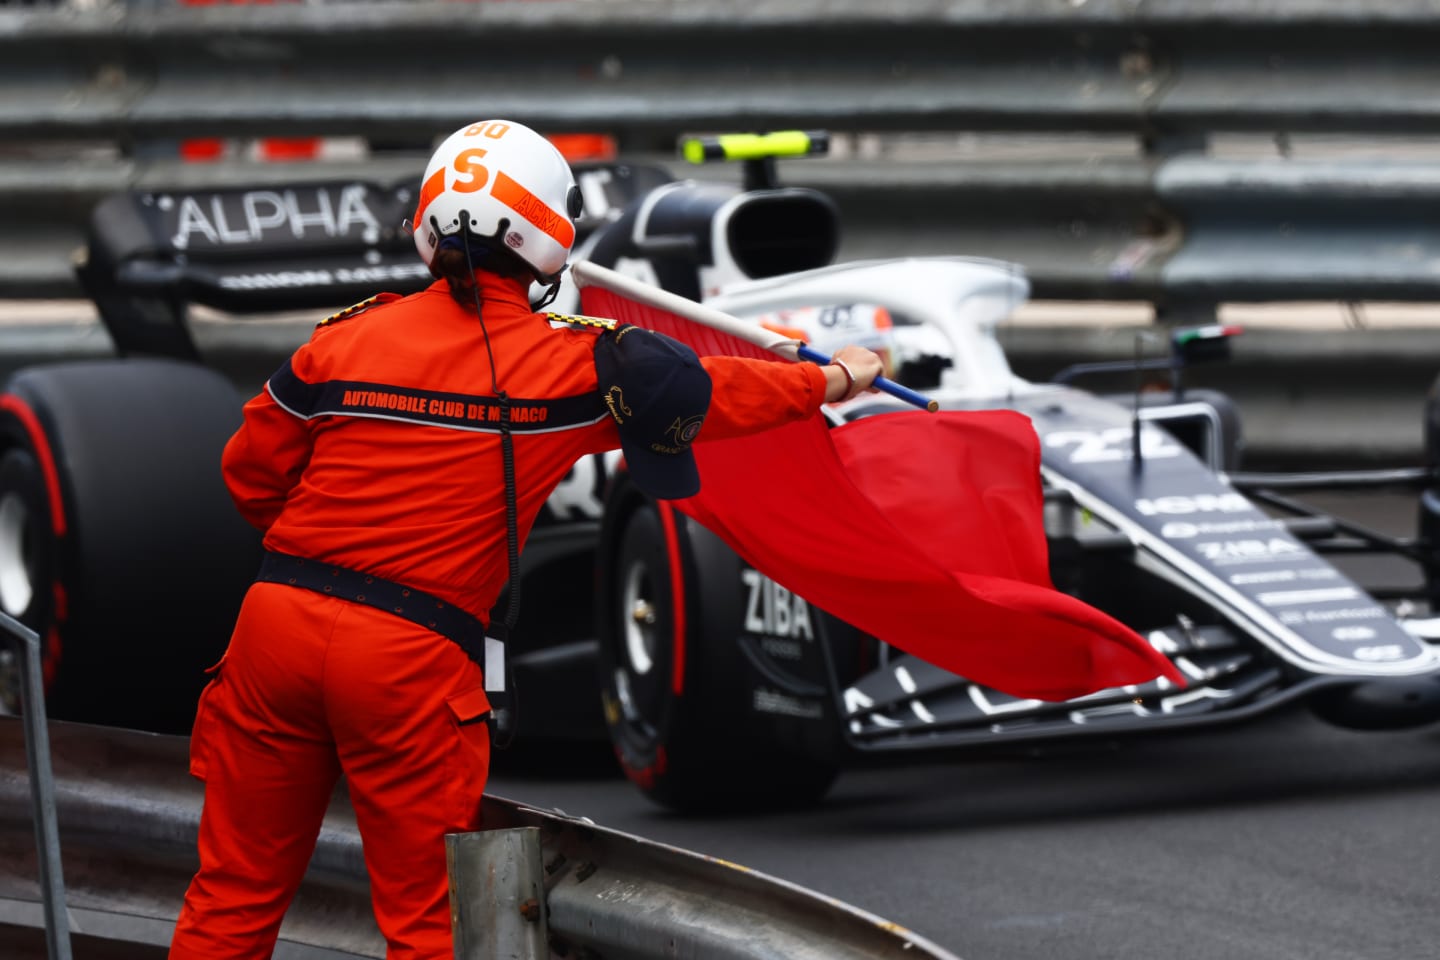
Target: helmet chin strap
(552, 289)
(467, 236)
(551, 292)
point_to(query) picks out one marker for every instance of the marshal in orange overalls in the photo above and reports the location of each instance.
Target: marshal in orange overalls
(374, 451)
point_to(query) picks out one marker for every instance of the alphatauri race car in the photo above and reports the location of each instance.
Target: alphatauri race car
(718, 686)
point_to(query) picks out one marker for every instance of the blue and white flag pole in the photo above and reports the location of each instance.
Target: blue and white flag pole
(592, 274)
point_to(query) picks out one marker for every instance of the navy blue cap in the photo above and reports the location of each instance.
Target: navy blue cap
(658, 394)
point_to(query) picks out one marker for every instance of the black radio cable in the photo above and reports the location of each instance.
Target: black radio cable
(507, 457)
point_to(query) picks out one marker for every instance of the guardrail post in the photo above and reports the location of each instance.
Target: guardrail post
(497, 894)
(42, 785)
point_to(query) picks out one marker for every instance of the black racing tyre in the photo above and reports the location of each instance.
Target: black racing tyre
(26, 562)
(698, 748)
(121, 547)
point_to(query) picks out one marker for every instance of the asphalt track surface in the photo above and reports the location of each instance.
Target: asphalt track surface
(1285, 839)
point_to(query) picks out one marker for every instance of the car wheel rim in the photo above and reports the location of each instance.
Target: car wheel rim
(638, 610)
(17, 589)
(641, 686)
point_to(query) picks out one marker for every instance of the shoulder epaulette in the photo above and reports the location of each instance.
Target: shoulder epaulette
(601, 322)
(358, 308)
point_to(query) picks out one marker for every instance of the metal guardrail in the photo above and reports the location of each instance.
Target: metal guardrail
(617, 897)
(26, 643)
(1187, 229)
(106, 89)
(128, 813)
(1163, 68)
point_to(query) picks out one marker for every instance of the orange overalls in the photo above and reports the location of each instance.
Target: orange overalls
(376, 450)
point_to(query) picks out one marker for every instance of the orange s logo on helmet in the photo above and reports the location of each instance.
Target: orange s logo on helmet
(468, 162)
(505, 181)
(506, 190)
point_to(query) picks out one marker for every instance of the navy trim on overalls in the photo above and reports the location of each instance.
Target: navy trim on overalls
(436, 408)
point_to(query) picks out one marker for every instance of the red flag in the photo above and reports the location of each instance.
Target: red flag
(923, 530)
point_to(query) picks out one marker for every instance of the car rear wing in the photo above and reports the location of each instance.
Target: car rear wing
(261, 249)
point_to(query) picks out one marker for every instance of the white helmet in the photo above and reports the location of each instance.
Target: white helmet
(512, 185)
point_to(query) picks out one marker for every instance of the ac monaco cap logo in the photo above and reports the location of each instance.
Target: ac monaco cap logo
(684, 432)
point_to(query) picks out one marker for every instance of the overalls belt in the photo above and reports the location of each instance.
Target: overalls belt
(418, 607)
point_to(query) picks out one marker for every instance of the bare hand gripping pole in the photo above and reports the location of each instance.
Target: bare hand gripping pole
(592, 274)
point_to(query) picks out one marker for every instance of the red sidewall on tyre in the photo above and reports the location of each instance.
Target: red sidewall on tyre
(145, 559)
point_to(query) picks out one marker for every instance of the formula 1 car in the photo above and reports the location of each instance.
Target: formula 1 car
(717, 685)
(723, 688)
